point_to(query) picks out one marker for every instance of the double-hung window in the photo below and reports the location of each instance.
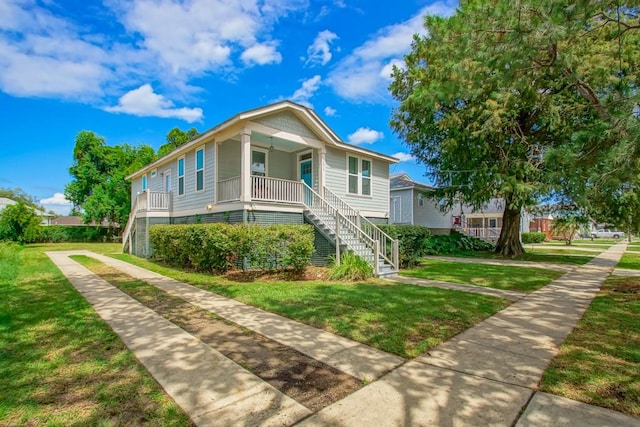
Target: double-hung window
(180, 176)
(200, 169)
(359, 176)
(144, 182)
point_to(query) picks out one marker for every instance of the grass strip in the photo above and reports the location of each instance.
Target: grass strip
(401, 319)
(308, 381)
(630, 261)
(532, 255)
(599, 363)
(510, 278)
(60, 364)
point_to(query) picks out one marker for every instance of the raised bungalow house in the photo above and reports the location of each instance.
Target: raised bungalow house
(486, 222)
(279, 164)
(410, 204)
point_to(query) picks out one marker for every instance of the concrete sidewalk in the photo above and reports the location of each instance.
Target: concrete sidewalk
(348, 356)
(209, 387)
(512, 262)
(484, 376)
(487, 374)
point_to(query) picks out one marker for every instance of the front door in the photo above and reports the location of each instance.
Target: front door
(306, 175)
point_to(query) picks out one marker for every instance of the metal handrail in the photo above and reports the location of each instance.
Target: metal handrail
(317, 204)
(389, 247)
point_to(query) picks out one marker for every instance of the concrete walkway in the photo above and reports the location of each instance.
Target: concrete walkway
(351, 357)
(487, 374)
(209, 387)
(484, 376)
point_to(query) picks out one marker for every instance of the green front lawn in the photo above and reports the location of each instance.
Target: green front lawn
(630, 261)
(401, 319)
(599, 363)
(60, 364)
(511, 278)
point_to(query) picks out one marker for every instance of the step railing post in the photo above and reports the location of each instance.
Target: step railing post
(337, 238)
(376, 259)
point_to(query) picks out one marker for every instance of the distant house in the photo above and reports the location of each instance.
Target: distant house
(277, 164)
(410, 204)
(45, 218)
(486, 222)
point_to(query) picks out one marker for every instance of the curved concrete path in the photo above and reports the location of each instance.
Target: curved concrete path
(484, 376)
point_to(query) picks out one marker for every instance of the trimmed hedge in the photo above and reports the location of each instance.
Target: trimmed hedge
(219, 246)
(412, 240)
(533, 237)
(77, 233)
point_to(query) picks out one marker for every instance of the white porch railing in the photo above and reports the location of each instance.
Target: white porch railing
(263, 188)
(229, 189)
(275, 190)
(153, 201)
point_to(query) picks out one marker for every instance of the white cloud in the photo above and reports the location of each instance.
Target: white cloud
(404, 157)
(329, 112)
(57, 203)
(320, 50)
(365, 136)
(168, 41)
(364, 74)
(307, 90)
(144, 102)
(261, 54)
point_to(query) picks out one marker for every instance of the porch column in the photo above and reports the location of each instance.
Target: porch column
(245, 165)
(321, 169)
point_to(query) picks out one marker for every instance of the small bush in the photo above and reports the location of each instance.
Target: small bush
(352, 267)
(412, 239)
(533, 237)
(454, 243)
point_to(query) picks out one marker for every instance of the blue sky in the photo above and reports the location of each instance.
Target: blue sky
(132, 70)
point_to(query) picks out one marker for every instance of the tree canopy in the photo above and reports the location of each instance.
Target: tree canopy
(19, 223)
(99, 170)
(18, 195)
(522, 99)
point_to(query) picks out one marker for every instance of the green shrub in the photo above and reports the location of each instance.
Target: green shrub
(218, 246)
(351, 267)
(412, 240)
(454, 243)
(77, 233)
(533, 237)
(19, 223)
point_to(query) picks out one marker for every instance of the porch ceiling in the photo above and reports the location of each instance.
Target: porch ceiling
(279, 144)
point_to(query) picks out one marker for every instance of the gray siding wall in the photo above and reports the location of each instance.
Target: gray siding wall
(430, 214)
(405, 206)
(336, 181)
(229, 152)
(287, 121)
(281, 165)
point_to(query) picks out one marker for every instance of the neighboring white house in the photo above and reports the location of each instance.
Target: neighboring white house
(279, 164)
(486, 222)
(45, 218)
(410, 204)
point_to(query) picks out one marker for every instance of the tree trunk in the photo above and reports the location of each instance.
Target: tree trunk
(509, 242)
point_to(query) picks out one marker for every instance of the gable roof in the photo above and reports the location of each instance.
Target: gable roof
(403, 181)
(305, 114)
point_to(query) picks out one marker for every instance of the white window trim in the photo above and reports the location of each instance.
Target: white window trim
(300, 160)
(166, 174)
(195, 165)
(359, 176)
(266, 160)
(184, 182)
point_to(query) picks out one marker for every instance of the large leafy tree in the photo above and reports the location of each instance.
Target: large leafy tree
(19, 223)
(99, 187)
(175, 138)
(500, 99)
